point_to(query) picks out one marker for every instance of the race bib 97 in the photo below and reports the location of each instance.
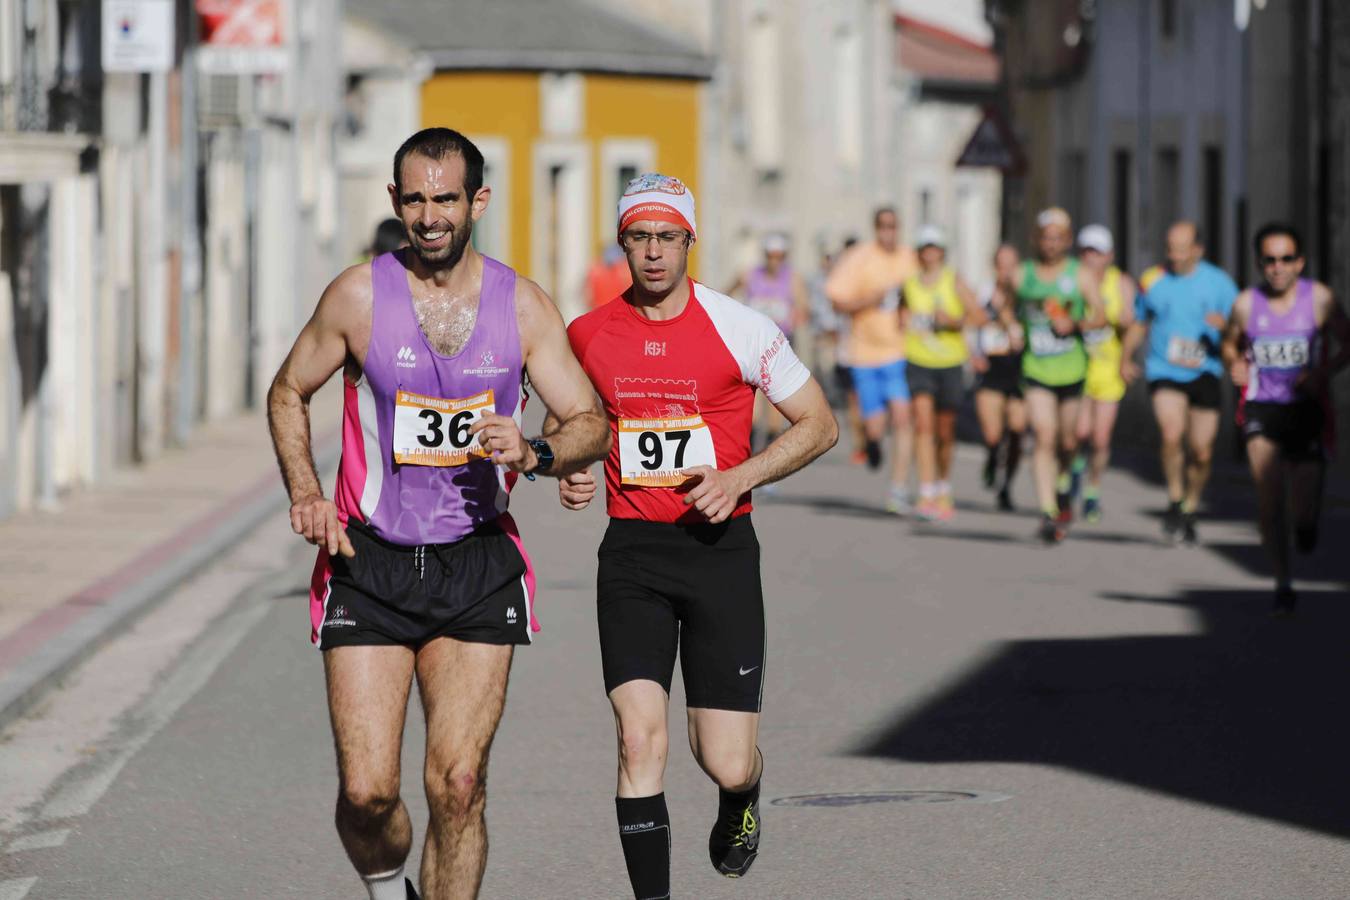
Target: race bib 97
(655, 452)
(1280, 353)
(431, 431)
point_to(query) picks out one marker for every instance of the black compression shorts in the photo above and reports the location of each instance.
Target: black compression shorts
(695, 588)
(1202, 392)
(1296, 428)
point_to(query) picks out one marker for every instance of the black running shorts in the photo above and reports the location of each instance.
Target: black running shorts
(1201, 392)
(1004, 375)
(694, 588)
(1062, 392)
(477, 589)
(1296, 428)
(943, 385)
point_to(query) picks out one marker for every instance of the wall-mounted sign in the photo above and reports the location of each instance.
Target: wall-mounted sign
(241, 37)
(138, 35)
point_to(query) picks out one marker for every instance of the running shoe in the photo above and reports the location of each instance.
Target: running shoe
(946, 507)
(1065, 503)
(1005, 503)
(734, 842)
(858, 457)
(1092, 510)
(1052, 531)
(873, 451)
(1285, 600)
(928, 510)
(1172, 521)
(898, 503)
(1188, 534)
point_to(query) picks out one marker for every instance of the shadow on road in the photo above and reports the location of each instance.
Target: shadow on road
(1240, 716)
(840, 506)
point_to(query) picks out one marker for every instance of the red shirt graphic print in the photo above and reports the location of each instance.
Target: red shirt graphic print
(680, 393)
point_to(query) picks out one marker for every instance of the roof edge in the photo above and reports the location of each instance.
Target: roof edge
(697, 68)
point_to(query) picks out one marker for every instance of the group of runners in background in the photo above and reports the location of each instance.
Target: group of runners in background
(1050, 345)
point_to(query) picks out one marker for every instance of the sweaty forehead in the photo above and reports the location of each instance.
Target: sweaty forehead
(429, 177)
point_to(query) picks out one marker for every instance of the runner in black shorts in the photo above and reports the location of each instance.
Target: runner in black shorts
(998, 385)
(1278, 348)
(677, 366)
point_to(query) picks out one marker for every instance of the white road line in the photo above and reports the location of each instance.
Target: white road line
(43, 840)
(76, 796)
(16, 888)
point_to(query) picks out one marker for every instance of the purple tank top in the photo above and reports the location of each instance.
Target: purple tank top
(409, 468)
(771, 295)
(1282, 346)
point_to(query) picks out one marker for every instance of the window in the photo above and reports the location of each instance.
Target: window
(1073, 184)
(764, 92)
(1212, 197)
(1122, 176)
(621, 160)
(1167, 18)
(491, 233)
(848, 98)
(1166, 192)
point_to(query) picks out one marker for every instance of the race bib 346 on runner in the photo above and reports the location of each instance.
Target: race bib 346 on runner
(655, 452)
(433, 431)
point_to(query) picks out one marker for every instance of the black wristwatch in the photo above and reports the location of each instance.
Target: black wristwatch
(544, 453)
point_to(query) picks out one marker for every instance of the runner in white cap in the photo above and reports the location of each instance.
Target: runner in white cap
(937, 306)
(1103, 388)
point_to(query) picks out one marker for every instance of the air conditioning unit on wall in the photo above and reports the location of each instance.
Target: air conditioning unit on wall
(224, 101)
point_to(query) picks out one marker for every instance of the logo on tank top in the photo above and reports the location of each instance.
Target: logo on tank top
(1066, 284)
(654, 348)
(486, 367)
(407, 359)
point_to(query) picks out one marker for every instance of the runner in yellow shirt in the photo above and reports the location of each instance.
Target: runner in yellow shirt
(938, 305)
(1104, 387)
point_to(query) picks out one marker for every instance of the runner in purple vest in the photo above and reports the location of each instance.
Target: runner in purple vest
(1275, 347)
(420, 566)
(775, 289)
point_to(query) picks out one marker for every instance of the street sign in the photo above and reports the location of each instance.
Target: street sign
(242, 37)
(993, 146)
(138, 35)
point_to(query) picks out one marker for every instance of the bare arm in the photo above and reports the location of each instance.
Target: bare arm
(1231, 347)
(840, 286)
(338, 329)
(575, 426)
(972, 314)
(812, 431)
(1130, 344)
(1337, 327)
(1094, 313)
(1127, 297)
(801, 302)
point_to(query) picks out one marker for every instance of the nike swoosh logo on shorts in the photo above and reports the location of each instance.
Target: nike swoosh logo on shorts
(749, 670)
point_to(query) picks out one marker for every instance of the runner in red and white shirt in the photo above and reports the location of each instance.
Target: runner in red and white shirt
(677, 366)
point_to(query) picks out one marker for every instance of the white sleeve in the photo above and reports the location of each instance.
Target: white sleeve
(759, 347)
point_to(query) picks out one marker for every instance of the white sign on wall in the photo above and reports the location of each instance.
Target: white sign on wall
(138, 35)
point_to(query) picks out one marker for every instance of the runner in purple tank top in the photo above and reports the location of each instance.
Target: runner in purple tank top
(1275, 347)
(420, 566)
(775, 289)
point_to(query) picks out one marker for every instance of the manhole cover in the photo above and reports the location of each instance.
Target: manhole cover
(863, 798)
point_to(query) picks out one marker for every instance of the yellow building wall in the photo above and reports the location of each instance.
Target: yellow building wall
(662, 110)
(506, 105)
(493, 104)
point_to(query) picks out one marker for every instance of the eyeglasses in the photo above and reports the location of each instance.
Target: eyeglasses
(638, 240)
(1272, 260)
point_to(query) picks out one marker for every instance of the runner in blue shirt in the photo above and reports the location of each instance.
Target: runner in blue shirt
(1181, 310)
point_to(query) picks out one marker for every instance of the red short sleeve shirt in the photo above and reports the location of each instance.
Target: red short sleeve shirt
(680, 393)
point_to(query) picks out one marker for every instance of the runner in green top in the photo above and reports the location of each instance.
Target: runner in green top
(1056, 301)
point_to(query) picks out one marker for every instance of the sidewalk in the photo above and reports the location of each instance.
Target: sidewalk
(75, 576)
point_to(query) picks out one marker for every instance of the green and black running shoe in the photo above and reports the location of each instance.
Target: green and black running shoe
(734, 842)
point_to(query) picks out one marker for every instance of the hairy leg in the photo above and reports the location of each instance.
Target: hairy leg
(463, 691)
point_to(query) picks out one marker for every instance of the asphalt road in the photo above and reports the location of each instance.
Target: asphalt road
(1111, 718)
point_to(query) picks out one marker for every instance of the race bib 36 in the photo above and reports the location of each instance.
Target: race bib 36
(432, 431)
